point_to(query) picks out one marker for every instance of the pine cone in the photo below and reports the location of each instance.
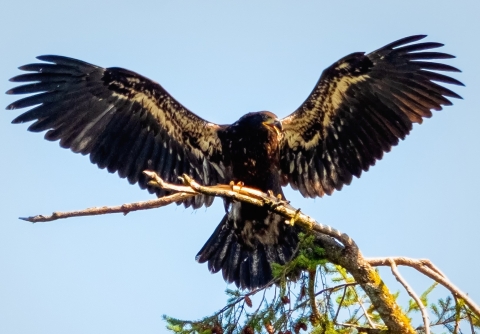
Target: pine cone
(248, 330)
(299, 326)
(303, 292)
(248, 301)
(269, 328)
(217, 329)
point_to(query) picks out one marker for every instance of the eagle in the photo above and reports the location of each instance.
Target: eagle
(359, 108)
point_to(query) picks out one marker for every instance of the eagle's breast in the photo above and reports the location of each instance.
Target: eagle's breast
(252, 151)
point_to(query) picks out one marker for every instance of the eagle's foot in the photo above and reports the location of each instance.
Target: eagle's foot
(292, 220)
(275, 201)
(239, 184)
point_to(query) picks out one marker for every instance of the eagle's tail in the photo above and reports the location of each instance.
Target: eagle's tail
(244, 250)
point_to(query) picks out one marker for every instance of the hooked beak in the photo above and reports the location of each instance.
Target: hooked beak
(275, 124)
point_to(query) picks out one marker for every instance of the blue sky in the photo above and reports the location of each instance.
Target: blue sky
(116, 274)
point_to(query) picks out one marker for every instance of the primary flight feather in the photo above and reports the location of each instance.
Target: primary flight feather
(360, 107)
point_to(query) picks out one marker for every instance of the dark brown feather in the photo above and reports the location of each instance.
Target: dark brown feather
(361, 106)
(123, 120)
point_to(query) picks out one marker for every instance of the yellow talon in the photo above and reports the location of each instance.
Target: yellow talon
(294, 218)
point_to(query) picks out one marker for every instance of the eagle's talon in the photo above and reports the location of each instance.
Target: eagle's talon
(294, 218)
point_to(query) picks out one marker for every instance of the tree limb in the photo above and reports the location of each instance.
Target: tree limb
(427, 268)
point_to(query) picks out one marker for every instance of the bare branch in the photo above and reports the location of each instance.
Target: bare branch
(366, 330)
(255, 197)
(124, 208)
(426, 267)
(311, 294)
(360, 301)
(340, 304)
(396, 273)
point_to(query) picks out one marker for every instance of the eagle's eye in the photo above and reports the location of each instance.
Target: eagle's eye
(275, 124)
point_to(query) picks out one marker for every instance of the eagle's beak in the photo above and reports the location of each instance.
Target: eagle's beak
(275, 124)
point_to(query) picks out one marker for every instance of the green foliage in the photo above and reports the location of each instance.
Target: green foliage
(340, 306)
(450, 312)
(309, 257)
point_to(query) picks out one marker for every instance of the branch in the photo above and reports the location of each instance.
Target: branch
(428, 268)
(311, 293)
(348, 255)
(366, 330)
(124, 208)
(340, 248)
(412, 294)
(253, 196)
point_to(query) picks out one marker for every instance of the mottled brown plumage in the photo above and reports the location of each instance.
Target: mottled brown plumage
(360, 107)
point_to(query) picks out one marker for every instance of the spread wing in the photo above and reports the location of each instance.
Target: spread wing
(358, 110)
(124, 121)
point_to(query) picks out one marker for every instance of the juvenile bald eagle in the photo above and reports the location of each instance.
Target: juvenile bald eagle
(360, 107)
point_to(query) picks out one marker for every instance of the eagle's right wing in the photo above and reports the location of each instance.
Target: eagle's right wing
(124, 121)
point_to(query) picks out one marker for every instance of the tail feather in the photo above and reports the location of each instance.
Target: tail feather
(213, 243)
(231, 272)
(244, 250)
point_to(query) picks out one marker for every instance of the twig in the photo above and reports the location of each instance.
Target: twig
(412, 294)
(337, 287)
(428, 269)
(124, 208)
(470, 321)
(457, 315)
(360, 301)
(340, 304)
(311, 295)
(368, 330)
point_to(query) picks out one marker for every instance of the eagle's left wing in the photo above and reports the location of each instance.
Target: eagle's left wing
(358, 110)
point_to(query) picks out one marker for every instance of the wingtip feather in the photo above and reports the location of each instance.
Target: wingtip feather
(405, 40)
(50, 58)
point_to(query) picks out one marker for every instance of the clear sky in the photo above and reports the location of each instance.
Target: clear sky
(116, 274)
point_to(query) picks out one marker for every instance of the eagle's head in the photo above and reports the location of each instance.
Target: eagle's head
(262, 121)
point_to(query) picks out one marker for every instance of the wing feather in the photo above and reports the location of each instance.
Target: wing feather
(124, 121)
(361, 106)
